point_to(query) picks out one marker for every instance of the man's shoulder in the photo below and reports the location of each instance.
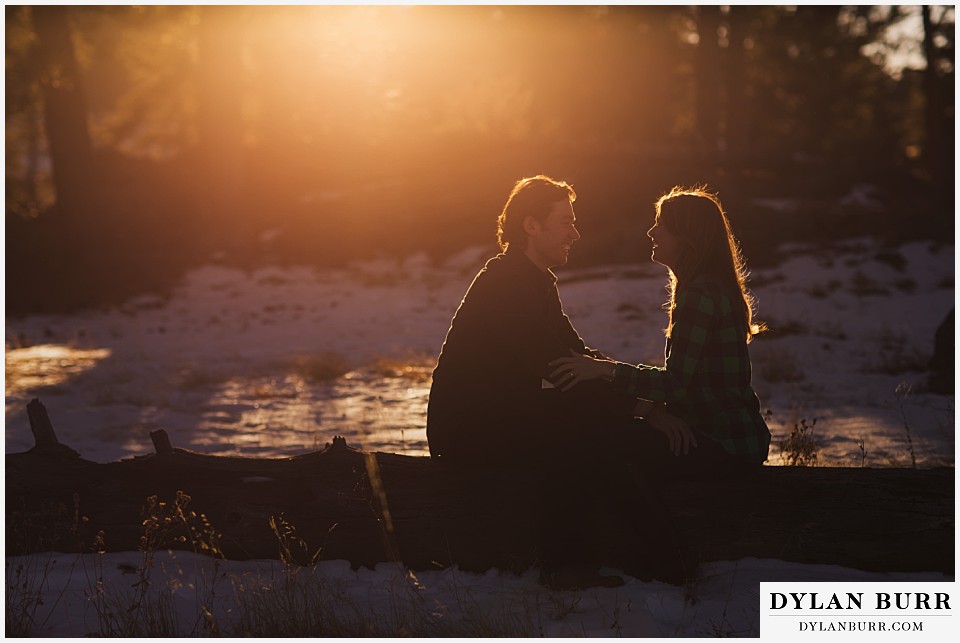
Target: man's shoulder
(499, 266)
(490, 277)
(494, 262)
(505, 277)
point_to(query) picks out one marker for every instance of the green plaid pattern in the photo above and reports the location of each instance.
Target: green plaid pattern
(706, 377)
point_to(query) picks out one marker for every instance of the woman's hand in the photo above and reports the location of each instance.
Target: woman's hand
(679, 435)
(569, 371)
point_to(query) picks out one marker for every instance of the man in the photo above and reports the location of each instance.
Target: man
(492, 405)
(488, 404)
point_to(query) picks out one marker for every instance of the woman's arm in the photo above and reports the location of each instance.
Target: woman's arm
(569, 371)
(693, 319)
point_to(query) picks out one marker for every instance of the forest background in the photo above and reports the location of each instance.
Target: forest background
(144, 141)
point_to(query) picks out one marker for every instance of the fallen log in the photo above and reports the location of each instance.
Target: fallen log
(344, 503)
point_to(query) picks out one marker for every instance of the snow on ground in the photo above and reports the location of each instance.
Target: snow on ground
(279, 360)
(91, 593)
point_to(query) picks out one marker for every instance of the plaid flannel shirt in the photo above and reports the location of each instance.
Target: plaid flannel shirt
(706, 377)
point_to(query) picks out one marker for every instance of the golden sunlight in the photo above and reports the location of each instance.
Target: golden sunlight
(281, 416)
(45, 365)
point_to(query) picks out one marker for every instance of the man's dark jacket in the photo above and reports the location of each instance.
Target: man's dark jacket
(487, 400)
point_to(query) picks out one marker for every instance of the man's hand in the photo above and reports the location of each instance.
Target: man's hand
(679, 435)
(569, 371)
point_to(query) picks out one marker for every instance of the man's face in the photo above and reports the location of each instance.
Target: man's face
(549, 241)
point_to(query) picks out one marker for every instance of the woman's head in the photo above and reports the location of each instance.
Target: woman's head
(693, 238)
(698, 234)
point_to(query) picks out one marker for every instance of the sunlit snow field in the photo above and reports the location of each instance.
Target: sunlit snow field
(279, 360)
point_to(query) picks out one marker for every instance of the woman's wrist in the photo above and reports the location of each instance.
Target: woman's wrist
(610, 373)
(643, 408)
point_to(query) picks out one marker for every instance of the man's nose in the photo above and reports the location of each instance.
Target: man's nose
(576, 234)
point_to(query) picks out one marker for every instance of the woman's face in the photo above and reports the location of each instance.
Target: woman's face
(666, 245)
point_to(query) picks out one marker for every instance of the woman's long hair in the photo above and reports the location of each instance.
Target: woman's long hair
(709, 248)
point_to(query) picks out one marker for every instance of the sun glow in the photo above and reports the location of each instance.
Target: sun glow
(46, 365)
(276, 416)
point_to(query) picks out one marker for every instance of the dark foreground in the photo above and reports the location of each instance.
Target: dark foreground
(343, 503)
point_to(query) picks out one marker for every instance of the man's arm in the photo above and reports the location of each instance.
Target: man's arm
(534, 337)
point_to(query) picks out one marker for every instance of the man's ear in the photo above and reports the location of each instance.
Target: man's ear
(530, 225)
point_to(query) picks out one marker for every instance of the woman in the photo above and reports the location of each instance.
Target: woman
(706, 377)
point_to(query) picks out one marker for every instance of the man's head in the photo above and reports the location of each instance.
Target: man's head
(534, 197)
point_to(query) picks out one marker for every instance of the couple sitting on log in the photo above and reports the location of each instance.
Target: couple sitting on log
(516, 388)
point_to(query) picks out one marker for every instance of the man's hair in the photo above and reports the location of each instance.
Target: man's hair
(534, 197)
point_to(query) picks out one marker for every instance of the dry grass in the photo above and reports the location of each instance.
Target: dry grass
(417, 368)
(302, 603)
(801, 448)
(323, 367)
(294, 600)
(26, 580)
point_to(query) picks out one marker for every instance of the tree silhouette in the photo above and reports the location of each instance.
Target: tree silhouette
(327, 133)
(937, 117)
(64, 108)
(708, 79)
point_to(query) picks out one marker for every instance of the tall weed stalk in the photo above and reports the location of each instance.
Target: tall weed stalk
(143, 610)
(801, 448)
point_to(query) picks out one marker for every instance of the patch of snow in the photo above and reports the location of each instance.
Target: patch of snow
(785, 205)
(723, 602)
(277, 361)
(862, 196)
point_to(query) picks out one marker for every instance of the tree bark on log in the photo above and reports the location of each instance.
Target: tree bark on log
(344, 503)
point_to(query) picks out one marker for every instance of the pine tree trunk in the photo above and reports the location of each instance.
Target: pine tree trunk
(708, 82)
(935, 152)
(64, 106)
(736, 109)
